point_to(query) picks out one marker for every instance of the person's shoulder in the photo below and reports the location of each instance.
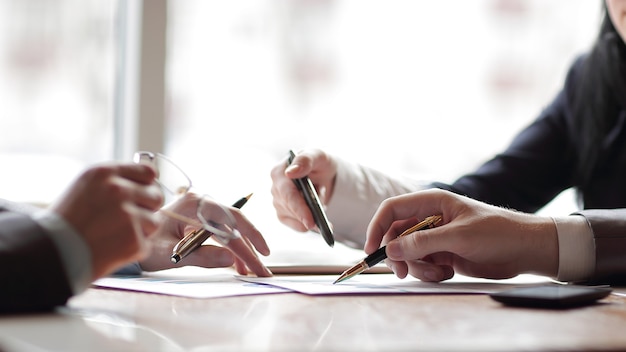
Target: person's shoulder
(573, 77)
(576, 68)
(579, 60)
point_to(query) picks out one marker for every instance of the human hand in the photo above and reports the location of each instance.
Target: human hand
(288, 201)
(474, 238)
(112, 206)
(239, 251)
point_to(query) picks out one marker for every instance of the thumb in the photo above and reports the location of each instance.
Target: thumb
(419, 244)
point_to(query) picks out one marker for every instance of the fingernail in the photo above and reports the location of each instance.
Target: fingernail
(292, 168)
(392, 267)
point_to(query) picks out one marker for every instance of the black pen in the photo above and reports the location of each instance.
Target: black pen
(305, 186)
(380, 253)
(194, 239)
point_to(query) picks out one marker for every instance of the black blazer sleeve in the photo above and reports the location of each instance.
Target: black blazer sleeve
(609, 232)
(31, 270)
(535, 167)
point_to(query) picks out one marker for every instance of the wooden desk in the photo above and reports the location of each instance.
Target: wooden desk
(110, 320)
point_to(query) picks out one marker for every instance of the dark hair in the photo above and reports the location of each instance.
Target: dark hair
(601, 91)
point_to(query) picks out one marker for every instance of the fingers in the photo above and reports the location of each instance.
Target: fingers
(138, 180)
(147, 196)
(186, 206)
(123, 182)
(405, 254)
(398, 228)
(421, 243)
(216, 213)
(422, 269)
(148, 221)
(140, 173)
(112, 206)
(238, 252)
(241, 248)
(300, 166)
(244, 247)
(417, 205)
(251, 233)
(474, 239)
(291, 208)
(209, 256)
(101, 191)
(320, 167)
(241, 267)
(430, 272)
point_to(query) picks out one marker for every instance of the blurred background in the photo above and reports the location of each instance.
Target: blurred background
(428, 89)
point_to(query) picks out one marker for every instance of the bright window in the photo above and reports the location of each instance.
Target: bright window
(56, 93)
(423, 88)
(428, 89)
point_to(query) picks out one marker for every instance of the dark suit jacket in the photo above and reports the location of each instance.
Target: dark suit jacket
(31, 271)
(540, 163)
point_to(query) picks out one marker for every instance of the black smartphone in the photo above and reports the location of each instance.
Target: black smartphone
(552, 296)
(312, 200)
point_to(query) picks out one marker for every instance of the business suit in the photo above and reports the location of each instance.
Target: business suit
(31, 270)
(541, 162)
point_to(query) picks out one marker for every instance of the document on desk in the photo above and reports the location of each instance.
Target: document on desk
(189, 282)
(307, 254)
(212, 283)
(389, 283)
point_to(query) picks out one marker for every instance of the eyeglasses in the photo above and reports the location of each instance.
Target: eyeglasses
(171, 178)
(175, 184)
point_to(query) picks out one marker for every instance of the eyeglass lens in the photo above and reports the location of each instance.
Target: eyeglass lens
(172, 179)
(217, 218)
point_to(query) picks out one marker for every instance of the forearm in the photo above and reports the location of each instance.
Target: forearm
(357, 194)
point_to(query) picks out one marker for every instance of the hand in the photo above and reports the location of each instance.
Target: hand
(474, 239)
(288, 201)
(112, 206)
(238, 251)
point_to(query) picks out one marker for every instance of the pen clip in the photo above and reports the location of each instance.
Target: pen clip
(428, 222)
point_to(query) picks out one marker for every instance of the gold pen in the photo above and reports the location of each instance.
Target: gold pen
(194, 239)
(380, 253)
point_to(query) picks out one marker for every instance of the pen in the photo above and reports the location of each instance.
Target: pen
(194, 239)
(380, 253)
(305, 186)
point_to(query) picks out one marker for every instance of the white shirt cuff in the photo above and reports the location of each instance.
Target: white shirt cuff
(357, 193)
(577, 254)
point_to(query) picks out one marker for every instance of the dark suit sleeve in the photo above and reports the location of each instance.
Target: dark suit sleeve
(537, 165)
(609, 232)
(31, 270)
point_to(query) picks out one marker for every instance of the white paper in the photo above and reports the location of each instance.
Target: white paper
(189, 282)
(389, 283)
